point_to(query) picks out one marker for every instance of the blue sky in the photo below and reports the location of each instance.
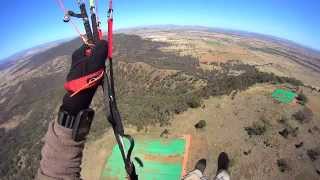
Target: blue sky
(33, 22)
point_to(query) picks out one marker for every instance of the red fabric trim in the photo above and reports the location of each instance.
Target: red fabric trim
(88, 52)
(85, 82)
(110, 36)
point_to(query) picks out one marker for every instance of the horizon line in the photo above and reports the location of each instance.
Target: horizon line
(159, 26)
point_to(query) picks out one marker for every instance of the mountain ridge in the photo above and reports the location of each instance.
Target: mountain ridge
(6, 62)
(29, 52)
(226, 30)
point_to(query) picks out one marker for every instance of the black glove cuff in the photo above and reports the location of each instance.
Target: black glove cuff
(78, 102)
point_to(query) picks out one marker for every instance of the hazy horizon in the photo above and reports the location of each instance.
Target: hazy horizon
(288, 19)
(162, 26)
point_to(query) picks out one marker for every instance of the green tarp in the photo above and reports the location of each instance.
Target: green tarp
(162, 160)
(283, 96)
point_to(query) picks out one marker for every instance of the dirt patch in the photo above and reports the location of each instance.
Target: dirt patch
(14, 121)
(163, 159)
(226, 119)
(252, 158)
(95, 155)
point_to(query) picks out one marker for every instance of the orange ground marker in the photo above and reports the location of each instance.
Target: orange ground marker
(186, 155)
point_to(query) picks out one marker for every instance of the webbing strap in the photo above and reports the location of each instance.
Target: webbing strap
(115, 115)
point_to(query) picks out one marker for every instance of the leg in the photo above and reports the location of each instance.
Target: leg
(223, 165)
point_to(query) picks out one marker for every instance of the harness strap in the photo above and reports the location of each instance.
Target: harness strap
(115, 118)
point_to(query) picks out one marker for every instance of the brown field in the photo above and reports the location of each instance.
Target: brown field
(218, 47)
(227, 117)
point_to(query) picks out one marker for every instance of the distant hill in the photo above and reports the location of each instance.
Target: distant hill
(279, 40)
(9, 61)
(274, 39)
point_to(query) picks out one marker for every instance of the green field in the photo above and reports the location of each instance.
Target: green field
(162, 159)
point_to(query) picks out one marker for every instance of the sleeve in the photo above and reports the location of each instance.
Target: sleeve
(61, 155)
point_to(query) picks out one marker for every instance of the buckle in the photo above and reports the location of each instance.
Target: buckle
(65, 119)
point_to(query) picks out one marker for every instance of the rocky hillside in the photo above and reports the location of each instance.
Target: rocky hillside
(152, 86)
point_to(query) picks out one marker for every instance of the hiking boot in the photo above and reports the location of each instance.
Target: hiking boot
(223, 165)
(223, 162)
(201, 165)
